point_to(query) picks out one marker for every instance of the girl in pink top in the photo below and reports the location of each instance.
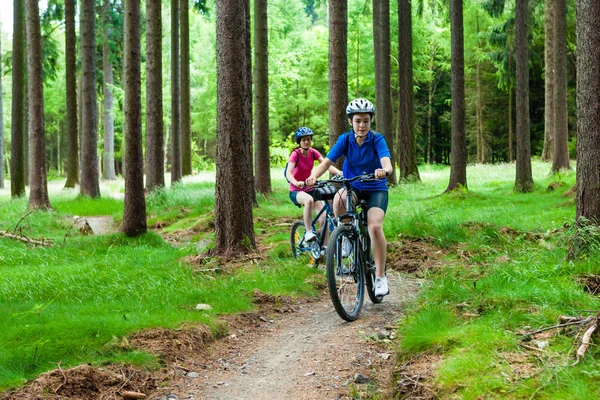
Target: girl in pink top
(298, 170)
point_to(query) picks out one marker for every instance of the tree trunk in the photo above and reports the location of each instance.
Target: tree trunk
(588, 111)
(108, 170)
(234, 229)
(458, 163)
(71, 96)
(548, 80)
(338, 70)
(175, 96)
(524, 180)
(155, 175)
(134, 211)
(17, 150)
(1, 132)
(90, 185)
(383, 87)
(262, 179)
(510, 125)
(38, 191)
(406, 132)
(186, 134)
(481, 145)
(560, 159)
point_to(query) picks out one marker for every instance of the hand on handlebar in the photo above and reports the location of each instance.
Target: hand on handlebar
(380, 173)
(311, 180)
(300, 184)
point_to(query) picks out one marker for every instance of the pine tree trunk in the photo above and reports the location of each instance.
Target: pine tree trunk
(90, 185)
(548, 81)
(234, 194)
(71, 96)
(155, 175)
(17, 150)
(510, 125)
(175, 96)
(134, 211)
(1, 132)
(458, 163)
(560, 159)
(38, 191)
(481, 145)
(408, 156)
(186, 134)
(262, 179)
(108, 170)
(338, 70)
(524, 180)
(588, 111)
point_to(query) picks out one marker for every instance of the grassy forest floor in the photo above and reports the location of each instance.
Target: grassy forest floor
(491, 267)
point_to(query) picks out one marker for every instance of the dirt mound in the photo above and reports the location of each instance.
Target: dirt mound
(85, 382)
(413, 255)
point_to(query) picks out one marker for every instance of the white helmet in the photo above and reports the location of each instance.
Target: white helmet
(360, 106)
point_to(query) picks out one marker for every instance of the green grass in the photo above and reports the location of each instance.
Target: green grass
(505, 264)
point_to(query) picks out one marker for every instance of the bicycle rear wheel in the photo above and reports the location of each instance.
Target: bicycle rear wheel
(345, 277)
(301, 250)
(369, 268)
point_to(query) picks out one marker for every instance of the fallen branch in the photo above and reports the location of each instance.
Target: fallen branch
(22, 218)
(578, 322)
(25, 239)
(586, 339)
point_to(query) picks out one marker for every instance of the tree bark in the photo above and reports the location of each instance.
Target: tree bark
(560, 159)
(588, 111)
(38, 190)
(155, 175)
(510, 126)
(90, 185)
(234, 229)
(481, 145)
(262, 178)
(71, 96)
(17, 149)
(108, 167)
(338, 70)
(458, 163)
(186, 134)
(1, 132)
(175, 96)
(524, 180)
(134, 211)
(548, 81)
(406, 131)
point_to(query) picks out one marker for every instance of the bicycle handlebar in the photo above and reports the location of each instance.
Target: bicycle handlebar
(339, 179)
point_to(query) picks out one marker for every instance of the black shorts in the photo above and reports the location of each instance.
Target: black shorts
(376, 198)
(294, 194)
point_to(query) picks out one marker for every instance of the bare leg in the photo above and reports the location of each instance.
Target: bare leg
(375, 219)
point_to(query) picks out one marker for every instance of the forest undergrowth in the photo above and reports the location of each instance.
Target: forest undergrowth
(504, 276)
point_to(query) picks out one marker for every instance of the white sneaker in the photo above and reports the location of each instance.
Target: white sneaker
(381, 286)
(346, 247)
(309, 235)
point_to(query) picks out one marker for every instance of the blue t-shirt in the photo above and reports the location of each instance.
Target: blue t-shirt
(361, 159)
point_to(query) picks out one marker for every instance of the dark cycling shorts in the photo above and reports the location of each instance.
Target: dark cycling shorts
(294, 194)
(377, 198)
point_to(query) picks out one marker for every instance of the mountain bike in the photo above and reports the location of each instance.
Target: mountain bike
(350, 264)
(314, 251)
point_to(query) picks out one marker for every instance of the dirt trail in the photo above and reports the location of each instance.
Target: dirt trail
(310, 353)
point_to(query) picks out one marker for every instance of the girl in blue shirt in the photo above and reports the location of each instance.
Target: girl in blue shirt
(365, 152)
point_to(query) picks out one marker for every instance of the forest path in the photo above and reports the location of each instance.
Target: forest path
(310, 353)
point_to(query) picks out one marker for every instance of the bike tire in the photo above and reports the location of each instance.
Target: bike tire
(345, 277)
(369, 268)
(301, 251)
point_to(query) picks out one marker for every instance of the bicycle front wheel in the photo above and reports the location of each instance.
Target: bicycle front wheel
(304, 251)
(345, 277)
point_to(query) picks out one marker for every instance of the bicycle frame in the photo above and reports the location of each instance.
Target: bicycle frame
(329, 224)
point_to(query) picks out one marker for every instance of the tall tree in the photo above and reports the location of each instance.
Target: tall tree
(134, 211)
(175, 96)
(38, 192)
(524, 179)
(90, 185)
(71, 96)
(588, 111)
(548, 80)
(108, 165)
(17, 149)
(338, 69)
(262, 178)
(406, 130)
(560, 156)
(234, 228)
(155, 176)
(458, 165)
(186, 134)
(1, 129)
(383, 87)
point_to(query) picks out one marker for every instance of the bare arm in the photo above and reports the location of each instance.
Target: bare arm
(386, 169)
(332, 169)
(318, 171)
(290, 177)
